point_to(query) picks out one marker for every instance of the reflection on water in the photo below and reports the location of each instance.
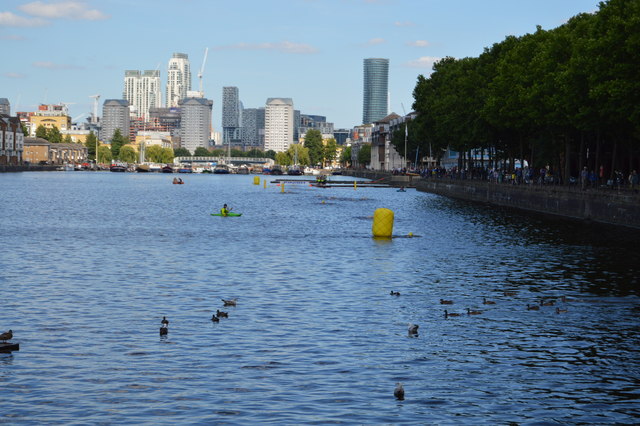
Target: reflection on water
(92, 261)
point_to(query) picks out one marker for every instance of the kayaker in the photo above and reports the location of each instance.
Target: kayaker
(224, 211)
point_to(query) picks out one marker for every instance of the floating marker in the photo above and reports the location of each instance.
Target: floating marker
(355, 185)
(382, 223)
(256, 180)
(282, 187)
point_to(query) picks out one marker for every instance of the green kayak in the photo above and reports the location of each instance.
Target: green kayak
(230, 214)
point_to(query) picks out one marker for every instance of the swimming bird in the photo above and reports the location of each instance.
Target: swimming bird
(559, 311)
(470, 312)
(453, 314)
(165, 321)
(395, 293)
(221, 314)
(164, 329)
(214, 318)
(229, 302)
(399, 391)
(549, 303)
(413, 329)
(446, 302)
(533, 307)
(487, 302)
(7, 335)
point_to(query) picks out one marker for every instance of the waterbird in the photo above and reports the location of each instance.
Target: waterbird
(7, 335)
(446, 302)
(221, 314)
(559, 311)
(165, 321)
(164, 329)
(413, 329)
(399, 391)
(470, 312)
(548, 303)
(533, 307)
(229, 302)
(214, 318)
(453, 314)
(395, 293)
(487, 302)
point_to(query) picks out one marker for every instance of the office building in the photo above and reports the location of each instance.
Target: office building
(278, 124)
(195, 123)
(115, 115)
(376, 90)
(178, 79)
(5, 106)
(231, 116)
(253, 128)
(142, 91)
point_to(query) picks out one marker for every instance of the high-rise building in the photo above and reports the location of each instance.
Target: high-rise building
(376, 90)
(231, 116)
(253, 127)
(195, 123)
(278, 124)
(5, 106)
(178, 79)
(142, 91)
(115, 115)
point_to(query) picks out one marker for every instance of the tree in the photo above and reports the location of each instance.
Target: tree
(153, 153)
(54, 135)
(128, 154)
(41, 132)
(91, 143)
(270, 154)
(104, 154)
(329, 151)
(167, 155)
(67, 139)
(201, 151)
(345, 157)
(313, 142)
(298, 154)
(182, 152)
(24, 129)
(117, 141)
(283, 159)
(364, 155)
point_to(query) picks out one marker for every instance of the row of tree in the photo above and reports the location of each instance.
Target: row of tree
(565, 99)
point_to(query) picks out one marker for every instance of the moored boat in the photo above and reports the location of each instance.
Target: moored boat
(221, 169)
(167, 169)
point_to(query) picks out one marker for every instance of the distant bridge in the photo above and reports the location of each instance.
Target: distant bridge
(236, 161)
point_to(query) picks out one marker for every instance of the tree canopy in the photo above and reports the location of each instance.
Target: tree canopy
(117, 141)
(181, 152)
(91, 143)
(313, 142)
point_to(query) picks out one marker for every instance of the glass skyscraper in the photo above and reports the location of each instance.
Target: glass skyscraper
(376, 90)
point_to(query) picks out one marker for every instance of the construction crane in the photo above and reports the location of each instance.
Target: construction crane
(201, 72)
(96, 98)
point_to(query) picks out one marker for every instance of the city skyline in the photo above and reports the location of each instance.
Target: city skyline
(316, 61)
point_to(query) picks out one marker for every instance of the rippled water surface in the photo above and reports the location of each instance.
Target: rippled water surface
(90, 262)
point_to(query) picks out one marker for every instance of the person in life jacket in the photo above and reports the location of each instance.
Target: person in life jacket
(224, 211)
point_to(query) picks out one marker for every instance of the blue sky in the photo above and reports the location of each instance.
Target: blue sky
(307, 50)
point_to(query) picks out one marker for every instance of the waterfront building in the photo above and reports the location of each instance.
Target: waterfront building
(50, 116)
(11, 140)
(317, 122)
(5, 106)
(341, 136)
(178, 79)
(38, 150)
(278, 124)
(231, 116)
(195, 123)
(376, 90)
(142, 91)
(383, 153)
(115, 115)
(253, 128)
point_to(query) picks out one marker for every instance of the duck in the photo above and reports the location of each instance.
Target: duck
(470, 312)
(533, 307)
(7, 335)
(165, 322)
(453, 314)
(399, 391)
(395, 293)
(164, 330)
(221, 314)
(214, 318)
(508, 293)
(560, 311)
(487, 302)
(413, 329)
(446, 302)
(229, 302)
(548, 303)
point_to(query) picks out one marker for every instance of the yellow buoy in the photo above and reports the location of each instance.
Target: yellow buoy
(265, 183)
(382, 223)
(282, 187)
(256, 180)
(355, 185)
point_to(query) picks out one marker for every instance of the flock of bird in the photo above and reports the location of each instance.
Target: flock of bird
(164, 327)
(413, 328)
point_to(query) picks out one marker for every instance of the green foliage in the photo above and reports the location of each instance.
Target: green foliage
(90, 143)
(128, 154)
(67, 139)
(157, 154)
(345, 157)
(24, 129)
(298, 155)
(270, 154)
(104, 154)
(218, 152)
(117, 142)
(313, 142)
(201, 152)
(54, 135)
(41, 132)
(364, 155)
(283, 159)
(329, 151)
(182, 152)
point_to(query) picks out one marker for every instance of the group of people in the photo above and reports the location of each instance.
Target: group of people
(177, 181)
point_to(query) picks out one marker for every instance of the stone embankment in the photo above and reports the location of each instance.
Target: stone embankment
(615, 207)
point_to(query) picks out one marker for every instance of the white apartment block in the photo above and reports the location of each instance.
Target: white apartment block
(195, 123)
(278, 124)
(142, 91)
(178, 79)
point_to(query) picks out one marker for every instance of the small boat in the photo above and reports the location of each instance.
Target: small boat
(294, 171)
(230, 214)
(167, 169)
(143, 168)
(243, 170)
(221, 169)
(185, 170)
(276, 170)
(118, 168)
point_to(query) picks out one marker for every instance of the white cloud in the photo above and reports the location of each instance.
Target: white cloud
(375, 41)
(13, 75)
(404, 24)
(418, 43)
(53, 66)
(9, 19)
(70, 9)
(284, 46)
(423, 62)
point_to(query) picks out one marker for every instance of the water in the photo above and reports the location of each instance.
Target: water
(90, 262)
